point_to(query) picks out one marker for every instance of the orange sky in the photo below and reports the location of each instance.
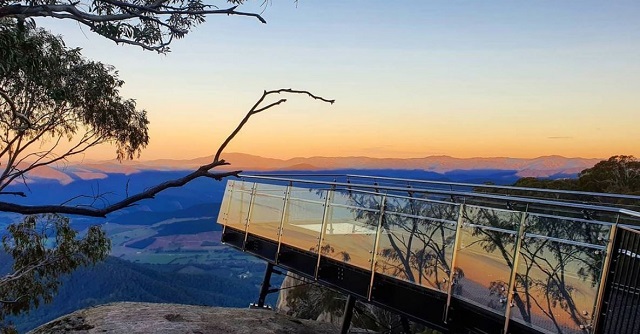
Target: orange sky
(412, 80)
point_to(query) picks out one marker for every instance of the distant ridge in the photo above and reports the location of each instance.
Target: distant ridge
(536, 167)
(541, 166)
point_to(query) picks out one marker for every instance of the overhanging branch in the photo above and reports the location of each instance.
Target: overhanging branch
(202, 171)
(159, 13)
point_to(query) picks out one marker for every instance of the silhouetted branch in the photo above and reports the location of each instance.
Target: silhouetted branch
(202, 171)
(158, 13)
(255, 109)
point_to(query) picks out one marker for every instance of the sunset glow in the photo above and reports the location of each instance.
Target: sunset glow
(410, 79)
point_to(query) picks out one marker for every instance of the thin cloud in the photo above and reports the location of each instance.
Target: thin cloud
(560, 137)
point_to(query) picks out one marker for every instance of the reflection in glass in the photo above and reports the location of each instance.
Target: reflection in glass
(416, 243)
(502, 219)
(557, 284)
(483, 265)
(350, 234)
(559, 263)
(266, 213)
(578, 230)
(303, 219)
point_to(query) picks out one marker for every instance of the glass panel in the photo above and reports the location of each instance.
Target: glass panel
(224, 206)
(350, 231)
(303, 219)
(579, 230)
(484, 260)
(417, 241)
(266, 213)
(240, 199)
(556, 285)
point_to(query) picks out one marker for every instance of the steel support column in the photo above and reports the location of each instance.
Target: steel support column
(266, 284)
(348, 314)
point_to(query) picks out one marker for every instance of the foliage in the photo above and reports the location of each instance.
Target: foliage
(50, 94)
(151, 25)
(43, 249)
(619, 174)
(54, 104)
(114, 280)
(533, 182)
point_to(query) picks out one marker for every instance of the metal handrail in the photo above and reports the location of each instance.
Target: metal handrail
(490, 186)
(456, 184)
(456, 193)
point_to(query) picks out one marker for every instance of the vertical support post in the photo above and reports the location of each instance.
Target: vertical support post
(323, 228)
(374, 259)
(230, 184)
(266, 284)
(285, 206)
(246, 225)
(453, 262)
(514, 270)
(597, 308)
(348, 314)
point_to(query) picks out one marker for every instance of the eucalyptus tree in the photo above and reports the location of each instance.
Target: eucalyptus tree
(152, 25)
(55, 104)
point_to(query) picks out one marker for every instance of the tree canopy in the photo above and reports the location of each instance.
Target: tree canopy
(49, 95)
(618, 174)
(43, 248)
(55, 104)
(152, 25)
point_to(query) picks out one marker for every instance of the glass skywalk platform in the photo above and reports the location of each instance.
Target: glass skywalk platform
(457, 257)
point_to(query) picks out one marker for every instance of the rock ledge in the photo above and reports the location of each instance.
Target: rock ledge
(134, 318)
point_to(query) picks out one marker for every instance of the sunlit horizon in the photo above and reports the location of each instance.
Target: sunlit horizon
(410, 80)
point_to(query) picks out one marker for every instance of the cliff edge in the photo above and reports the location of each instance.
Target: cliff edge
(133, 318)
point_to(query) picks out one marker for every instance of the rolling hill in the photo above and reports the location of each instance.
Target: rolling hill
(537, 167)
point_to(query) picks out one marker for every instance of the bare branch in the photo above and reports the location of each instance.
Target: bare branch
(254, 110)
(95, 212)
(158, 12)
(14, 110)
(202, 171)
(76, 14)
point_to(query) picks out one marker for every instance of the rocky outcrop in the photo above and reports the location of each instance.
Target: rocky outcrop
(132, 318)
(290, 281)
(314, 303)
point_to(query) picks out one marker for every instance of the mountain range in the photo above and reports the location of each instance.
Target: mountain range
(544, 166)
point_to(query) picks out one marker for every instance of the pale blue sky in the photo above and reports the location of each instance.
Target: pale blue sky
(411, 79)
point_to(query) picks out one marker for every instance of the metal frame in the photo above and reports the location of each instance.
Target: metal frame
(371, 286)
(603, 277)
(323, 228)
(285, 206)
(248, 219)
(452, 274)
(503, 198)
(487, 186)
(374, 259)
(514, 270)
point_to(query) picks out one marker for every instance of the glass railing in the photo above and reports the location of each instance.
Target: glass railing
(541, 268)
